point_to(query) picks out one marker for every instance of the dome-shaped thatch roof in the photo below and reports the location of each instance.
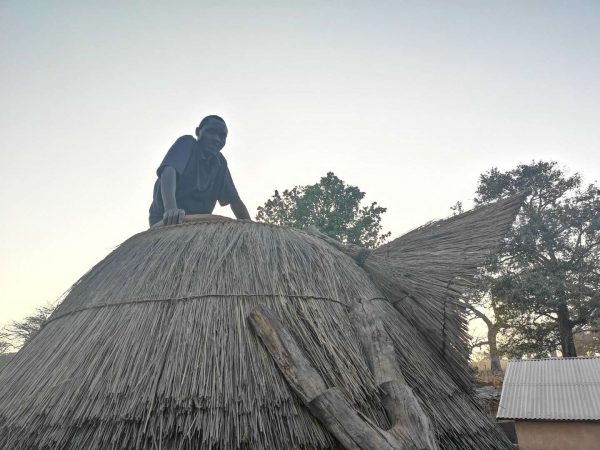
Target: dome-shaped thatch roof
(152, 349)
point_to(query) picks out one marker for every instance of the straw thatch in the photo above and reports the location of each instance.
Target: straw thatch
(152, 349)
(425, 272)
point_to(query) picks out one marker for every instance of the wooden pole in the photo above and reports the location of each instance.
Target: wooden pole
(349, 427)
(401, 405)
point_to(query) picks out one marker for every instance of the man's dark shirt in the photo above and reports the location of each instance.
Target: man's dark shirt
(202, 179)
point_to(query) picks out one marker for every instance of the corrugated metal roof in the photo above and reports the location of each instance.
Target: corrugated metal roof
(551, 389)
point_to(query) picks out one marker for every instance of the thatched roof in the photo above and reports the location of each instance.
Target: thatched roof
(5, 358)
(152, 349)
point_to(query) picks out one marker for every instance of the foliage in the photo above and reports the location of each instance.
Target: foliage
(16, 334)
(457, 208)
(483, 306)
(5, 345)
(547, 274)
(522, 339)
(331, 206)
(588, 342)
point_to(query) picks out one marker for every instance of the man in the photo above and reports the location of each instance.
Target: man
(194, 175)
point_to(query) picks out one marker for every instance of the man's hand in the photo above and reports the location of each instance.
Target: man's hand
(173, 216)
(240, 210)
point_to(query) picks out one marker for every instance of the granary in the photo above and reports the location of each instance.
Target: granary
(554, 402)
(223, 334)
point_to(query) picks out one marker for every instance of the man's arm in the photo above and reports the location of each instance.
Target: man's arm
(168, 184)
(240, 210)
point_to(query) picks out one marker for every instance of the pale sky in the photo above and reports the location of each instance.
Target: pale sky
(409, 100)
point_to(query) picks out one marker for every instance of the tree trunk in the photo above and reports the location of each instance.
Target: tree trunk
(492, 335)
(495, 365)
(565, 330)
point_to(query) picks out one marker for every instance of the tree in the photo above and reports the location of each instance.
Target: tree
(331, 206)
(547, 273)
(5, 345)
(480, 305)
(18, 333)
(588, 342)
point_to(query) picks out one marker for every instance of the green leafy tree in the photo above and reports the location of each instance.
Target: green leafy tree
(547, 274)
(331, 206)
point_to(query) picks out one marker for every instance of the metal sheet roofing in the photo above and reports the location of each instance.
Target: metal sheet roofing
(551, 389)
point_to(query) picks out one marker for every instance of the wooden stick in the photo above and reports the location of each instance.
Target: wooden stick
(290, 360)
(399, 401)
(350, 428)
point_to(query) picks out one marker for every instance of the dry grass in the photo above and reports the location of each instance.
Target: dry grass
(151, 349)
(425, 272)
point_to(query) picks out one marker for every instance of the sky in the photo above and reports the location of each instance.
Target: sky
(409, 100)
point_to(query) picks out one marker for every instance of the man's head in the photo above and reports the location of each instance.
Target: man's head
(212, 133)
